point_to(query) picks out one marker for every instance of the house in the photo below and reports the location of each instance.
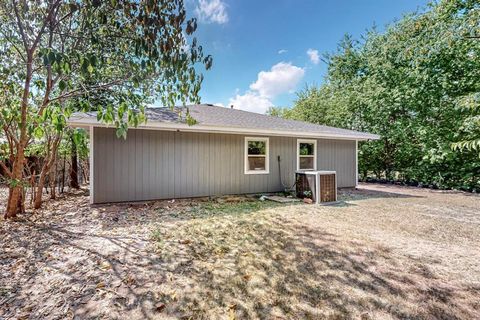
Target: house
(228, 151)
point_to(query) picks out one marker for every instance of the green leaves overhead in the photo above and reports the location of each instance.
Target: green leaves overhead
(62, 85)
(112, 56)
(38, 133)
(100, 55)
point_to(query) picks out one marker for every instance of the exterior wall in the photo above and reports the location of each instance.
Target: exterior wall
(152, 164)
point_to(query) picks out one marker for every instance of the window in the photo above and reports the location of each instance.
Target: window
(256, 155)
(306, 154)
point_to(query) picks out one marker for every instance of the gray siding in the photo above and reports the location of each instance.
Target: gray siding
(165, 164)
(338, 155)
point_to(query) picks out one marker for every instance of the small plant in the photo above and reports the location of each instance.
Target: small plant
(307, 194)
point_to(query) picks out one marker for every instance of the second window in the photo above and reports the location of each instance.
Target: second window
(306, 154)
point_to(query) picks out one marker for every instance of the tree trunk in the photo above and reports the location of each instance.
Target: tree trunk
(74, 166)
(84, 169)
(14, 205)
(53, 181)
(63, 175)
(15, 194)
(39, 189)
(32, 186)
(365, 175)
(15, 198)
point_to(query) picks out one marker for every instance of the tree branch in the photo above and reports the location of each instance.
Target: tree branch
(20, 26)
(49, 80)
(80, 91)
(47, 19)
(5, 169)
(13, 45)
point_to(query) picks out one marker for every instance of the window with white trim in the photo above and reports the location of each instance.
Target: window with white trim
(256, 155)
(306, 154)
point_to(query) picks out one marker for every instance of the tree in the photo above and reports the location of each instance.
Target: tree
(58, 56)
(470, 128)
(417, 86)
(74, 162)
(470, 103)
(282, 112)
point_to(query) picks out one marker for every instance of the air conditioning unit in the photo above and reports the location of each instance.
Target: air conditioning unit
(320, 186)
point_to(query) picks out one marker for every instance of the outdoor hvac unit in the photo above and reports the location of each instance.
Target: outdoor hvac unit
(320, 186)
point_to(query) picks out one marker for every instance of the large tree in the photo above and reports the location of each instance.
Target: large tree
(113, 56)
(417, 85)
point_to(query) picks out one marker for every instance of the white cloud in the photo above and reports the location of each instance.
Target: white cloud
(281, 51)
(282, 77)
(313, 55)
(251, 101)
(212, 11)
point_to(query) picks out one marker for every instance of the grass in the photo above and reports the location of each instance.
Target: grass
(223, 250)
(264, 260)
(384, 252)
(212, 227)
(213, 208)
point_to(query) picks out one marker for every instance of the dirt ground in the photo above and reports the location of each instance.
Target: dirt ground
(384, 251)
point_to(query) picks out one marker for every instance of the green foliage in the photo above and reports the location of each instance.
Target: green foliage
(306, 149)
(40, 148)
(113, 57)
(417, 85)
(190, 120)
(282, 112)
(470, 128)
(81, 139)
(257, 147)
(4, 148)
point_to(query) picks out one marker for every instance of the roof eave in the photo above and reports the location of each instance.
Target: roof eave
(91, 122)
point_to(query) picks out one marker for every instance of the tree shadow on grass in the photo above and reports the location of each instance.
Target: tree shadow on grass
(256, 270)
(352, 194)
(246, 262)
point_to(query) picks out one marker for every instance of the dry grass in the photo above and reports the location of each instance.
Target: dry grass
(383, 252)
(374, 256)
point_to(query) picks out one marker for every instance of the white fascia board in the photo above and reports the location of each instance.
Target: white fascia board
(91, 164)
(87, 122)
(356, 164)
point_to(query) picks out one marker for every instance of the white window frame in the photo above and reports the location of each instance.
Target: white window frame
(267, 157)
(314, 153)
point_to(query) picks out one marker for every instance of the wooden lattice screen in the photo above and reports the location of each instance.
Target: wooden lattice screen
(327, 188)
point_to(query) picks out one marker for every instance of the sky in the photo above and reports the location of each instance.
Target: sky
(266, 50)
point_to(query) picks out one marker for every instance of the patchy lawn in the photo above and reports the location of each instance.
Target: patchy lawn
(383, 252)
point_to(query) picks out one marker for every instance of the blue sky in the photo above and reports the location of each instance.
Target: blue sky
(264, 51)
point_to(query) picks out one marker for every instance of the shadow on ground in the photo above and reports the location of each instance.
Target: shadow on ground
(263, 266)
(352, 194)
(209, 261)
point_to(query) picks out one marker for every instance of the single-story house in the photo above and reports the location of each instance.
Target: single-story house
(228, 151)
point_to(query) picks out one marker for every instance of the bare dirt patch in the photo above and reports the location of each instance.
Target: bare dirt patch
(384, 252)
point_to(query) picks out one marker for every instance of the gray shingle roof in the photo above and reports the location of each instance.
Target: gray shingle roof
(210, 115)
